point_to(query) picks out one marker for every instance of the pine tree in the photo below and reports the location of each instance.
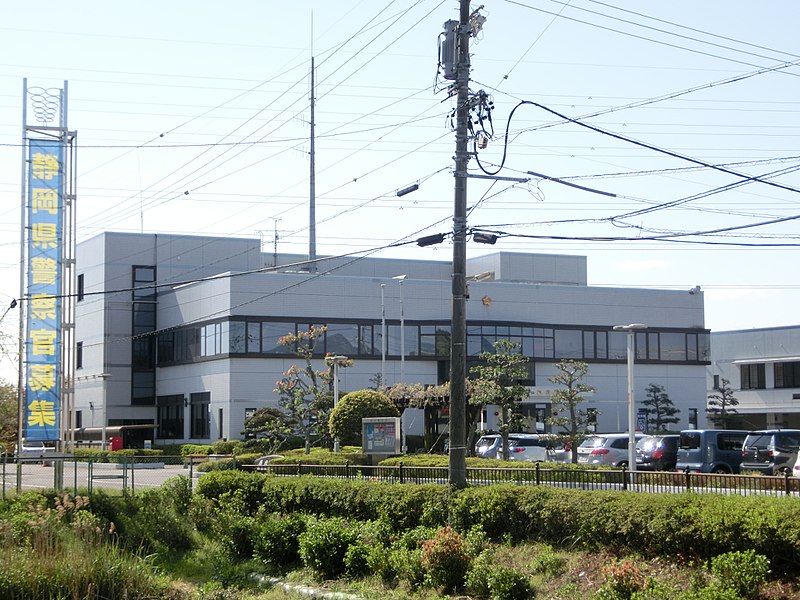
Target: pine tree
(720, 405)
(659, 409)
(567, 414)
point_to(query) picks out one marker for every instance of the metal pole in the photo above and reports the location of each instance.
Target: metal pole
(402, 338)
(631, 415)
(631, 331)
(335, 397)
(457, 469)
(383, 337)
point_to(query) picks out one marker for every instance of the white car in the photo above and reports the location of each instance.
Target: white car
(34, 449)
(530, 447)
(605, 449)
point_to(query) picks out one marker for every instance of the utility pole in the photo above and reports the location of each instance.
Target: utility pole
(457, 458)
(312, 181)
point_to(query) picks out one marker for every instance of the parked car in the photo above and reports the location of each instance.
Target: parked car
(710, 450)
(770, 451)
(605, 449)
(657, 452)
(529, 447)
(34, 449)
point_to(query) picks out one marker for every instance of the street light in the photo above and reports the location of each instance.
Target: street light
(383, 337)
(631, 329)
(401, 278)
(336, 360)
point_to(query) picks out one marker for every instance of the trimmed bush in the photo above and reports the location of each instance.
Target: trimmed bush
(345, 419)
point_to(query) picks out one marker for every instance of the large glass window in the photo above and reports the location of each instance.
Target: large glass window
(568, 343)
(271, 333)
(617, 345)
(143, 384)
(170, 417)
(237, 337)
(254, 337)
(673, 346)
(753, 376)
(787, 375)
(200, 415)
(342, 338)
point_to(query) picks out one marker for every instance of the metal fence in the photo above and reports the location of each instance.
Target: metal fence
(586, 479)
(83, 475)
(131, 473)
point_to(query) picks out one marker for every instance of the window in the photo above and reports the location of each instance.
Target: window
(79, 355)
(200, 415)
(753, 376)
(692, 418)
(673, 346)
(170, 417)
(144, 278)
(78, 419)
(80, 290)
(787, 375)
(568, 343)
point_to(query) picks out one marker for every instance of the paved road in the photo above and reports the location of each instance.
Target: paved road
(37, 476)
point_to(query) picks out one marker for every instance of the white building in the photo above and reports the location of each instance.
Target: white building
(762, 367)
(181, 331)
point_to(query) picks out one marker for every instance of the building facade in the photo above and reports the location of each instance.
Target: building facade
(762, 368)
(181, 332)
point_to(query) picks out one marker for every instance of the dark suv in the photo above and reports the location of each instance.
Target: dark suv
(657, 453)
(770, 451)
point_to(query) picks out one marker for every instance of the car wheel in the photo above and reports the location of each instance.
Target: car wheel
(720, 470)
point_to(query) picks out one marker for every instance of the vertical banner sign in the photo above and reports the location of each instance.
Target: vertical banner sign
(43, 343)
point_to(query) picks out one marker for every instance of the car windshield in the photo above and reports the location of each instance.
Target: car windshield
(758, 441)
(647, 444)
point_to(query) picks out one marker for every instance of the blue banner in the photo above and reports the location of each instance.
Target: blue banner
(43, 342)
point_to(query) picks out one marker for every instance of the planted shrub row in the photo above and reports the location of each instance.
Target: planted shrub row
(687, 524)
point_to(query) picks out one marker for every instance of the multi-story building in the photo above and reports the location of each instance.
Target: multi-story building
(762, 368)
(181, 331)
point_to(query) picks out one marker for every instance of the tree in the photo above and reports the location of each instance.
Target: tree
(498, 383)
(305, 393)
(659, 409)
(345, 420)
(720, 405)
(8, 416)
(566, 412)
(270, 426)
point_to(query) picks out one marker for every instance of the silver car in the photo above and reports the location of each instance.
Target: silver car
(605, 449)
(528, 447)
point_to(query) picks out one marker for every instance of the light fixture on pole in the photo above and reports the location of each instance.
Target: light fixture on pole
(631, 330)
(335, 360)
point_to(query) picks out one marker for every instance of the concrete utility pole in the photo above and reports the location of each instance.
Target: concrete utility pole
(457, 458)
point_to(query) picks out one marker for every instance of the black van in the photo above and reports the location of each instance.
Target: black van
(771, 451)
(710, 450)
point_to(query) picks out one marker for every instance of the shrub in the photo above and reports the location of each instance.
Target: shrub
(345, 418)
(276, 540)
(324, 544)
(225, 446)
(355, 560)
(623, 578)
(506, 583)
(407, 565)
(477, 579)
(219, 486)
(445, 559)
(742, 571)
(190, 449)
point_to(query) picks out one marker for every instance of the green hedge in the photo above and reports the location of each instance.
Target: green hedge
(687, 525)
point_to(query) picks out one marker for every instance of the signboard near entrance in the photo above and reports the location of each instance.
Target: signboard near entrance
(380, 435)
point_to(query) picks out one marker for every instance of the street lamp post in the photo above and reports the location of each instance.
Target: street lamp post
(400, 279)
(336, 360)
(631, 330)
(383, 337)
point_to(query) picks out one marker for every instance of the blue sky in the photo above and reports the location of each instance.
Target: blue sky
(194, 118)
